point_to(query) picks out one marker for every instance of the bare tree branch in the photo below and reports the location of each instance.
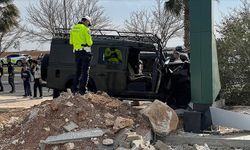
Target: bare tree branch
(157, 21)
(50, 14)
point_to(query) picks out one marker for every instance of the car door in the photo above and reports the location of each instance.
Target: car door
(109, 76)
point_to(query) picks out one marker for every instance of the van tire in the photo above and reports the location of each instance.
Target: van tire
(56, 93)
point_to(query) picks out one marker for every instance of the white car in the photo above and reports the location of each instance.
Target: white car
(16, 59)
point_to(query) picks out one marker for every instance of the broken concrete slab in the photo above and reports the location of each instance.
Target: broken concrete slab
(74, 136)
(230, 119)
(163, 119)
(240, 140)
(70, 126)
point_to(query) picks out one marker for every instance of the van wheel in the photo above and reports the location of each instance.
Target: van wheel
(19, 63)
(56, 93)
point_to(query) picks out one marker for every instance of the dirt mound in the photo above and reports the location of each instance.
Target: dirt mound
(29, 127)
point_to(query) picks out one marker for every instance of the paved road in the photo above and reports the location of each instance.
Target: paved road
(19, 87)
(16, 100)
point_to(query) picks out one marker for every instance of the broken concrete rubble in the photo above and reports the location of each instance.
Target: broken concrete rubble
(101, 112)
(108, 116)
(201, 147)
(159, 145)
(52, 119)
(69, 146)
(69, 104)
(109, 122)
(121, 123)
(131, 136)
(163, 119)
(70, 126)
(108, 142)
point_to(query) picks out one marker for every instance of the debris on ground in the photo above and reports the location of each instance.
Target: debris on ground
(98, 121)
(69, 114)
(163, 119)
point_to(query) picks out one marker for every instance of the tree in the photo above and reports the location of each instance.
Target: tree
(178, 7)
(9, 15)
(234, 55)
(48, 15)
(165, 25)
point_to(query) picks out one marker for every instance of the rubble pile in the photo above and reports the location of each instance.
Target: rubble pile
(98, 121)
(90, 114)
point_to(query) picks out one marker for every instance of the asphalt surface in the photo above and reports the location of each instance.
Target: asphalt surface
(9, 101)
(20, 88)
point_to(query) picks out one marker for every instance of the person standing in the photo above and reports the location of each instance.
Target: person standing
(1, 74)
(11, 72)
(26, 76)
(81, 40)
(37, 79)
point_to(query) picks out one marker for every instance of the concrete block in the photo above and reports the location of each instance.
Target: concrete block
(192, 122)
(163, 119)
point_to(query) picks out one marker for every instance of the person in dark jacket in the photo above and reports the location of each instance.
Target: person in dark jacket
(37, 79)
(26, 76)
(1, 74)
(11, 77)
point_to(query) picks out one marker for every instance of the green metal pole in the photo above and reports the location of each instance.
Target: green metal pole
(205, 80)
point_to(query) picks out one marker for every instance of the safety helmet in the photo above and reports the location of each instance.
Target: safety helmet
(87, 18)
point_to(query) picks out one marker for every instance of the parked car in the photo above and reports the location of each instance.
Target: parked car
(16, 59)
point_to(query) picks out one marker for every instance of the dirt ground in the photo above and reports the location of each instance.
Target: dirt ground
(24, 129)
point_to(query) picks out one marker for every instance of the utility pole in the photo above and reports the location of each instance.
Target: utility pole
(65, 14)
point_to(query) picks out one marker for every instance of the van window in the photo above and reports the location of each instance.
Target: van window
(110, 55)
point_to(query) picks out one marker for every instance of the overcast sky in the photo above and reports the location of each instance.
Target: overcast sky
(119, 10)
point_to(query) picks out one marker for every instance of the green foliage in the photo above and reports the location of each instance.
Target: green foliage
(175, 6)
(234, 56)
(9, 15)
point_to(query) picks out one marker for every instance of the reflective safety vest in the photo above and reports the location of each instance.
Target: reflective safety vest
(114, 56)
(79, 36)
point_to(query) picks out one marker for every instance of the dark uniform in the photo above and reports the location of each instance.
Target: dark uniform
(11, 77)
(26, 76)
(80, 38)
(1, 74)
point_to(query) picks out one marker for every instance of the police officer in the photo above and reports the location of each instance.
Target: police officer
(11, 76)
(81, 40)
